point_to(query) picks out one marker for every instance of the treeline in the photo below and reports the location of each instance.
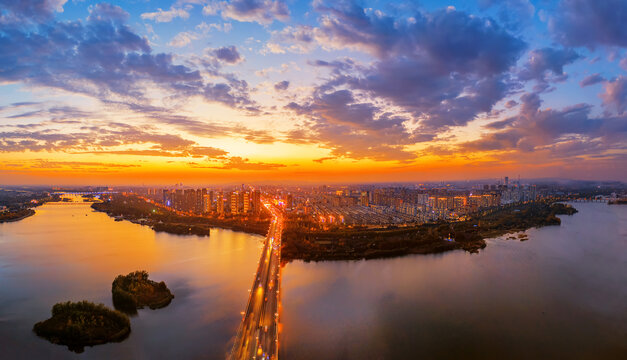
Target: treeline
(16, 215)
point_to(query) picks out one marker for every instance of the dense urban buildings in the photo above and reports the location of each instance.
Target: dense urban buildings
(359, 205)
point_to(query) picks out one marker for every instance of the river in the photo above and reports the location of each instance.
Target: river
(560, 294)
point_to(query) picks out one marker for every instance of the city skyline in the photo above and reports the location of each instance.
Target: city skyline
(272, 91)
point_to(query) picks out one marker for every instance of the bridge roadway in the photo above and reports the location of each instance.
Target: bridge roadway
(258, 334)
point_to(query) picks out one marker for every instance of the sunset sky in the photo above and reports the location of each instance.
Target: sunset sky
(199, 92)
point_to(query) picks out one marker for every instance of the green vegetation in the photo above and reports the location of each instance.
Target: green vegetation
(135, 290)
(346, 244)
(80, 324)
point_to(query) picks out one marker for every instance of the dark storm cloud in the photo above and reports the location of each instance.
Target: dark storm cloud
(103, 56)
(590, 23)
(591, 80)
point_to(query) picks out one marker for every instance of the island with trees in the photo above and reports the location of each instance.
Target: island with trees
(135, 290)
(301, 242)
(83, 323)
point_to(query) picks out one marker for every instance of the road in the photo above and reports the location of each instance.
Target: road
(258, 334)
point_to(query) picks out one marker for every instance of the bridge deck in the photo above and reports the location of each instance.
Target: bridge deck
(258, 334)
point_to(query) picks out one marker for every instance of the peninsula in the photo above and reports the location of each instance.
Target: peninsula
(353, 244)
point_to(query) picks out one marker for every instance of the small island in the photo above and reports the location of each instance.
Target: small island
(135, 290)
(80, 324)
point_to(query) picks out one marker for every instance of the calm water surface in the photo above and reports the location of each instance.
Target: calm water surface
(561, 294)
(60, 254)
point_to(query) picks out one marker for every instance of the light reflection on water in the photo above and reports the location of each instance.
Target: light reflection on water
(61, 254)
(561, 294)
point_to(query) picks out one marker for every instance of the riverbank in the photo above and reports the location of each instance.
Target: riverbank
(10, 216)
(350, 244)
(159, 218)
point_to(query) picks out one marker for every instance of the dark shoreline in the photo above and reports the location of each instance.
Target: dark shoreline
(29, 213)
(353, 244)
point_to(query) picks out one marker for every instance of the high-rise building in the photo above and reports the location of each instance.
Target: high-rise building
(200, 200)
(220, 204)
(178, 199)
(206, 203)
(190, 200)
(246, 202)
(289, 201)
(234, 202)
(256, 199)
(167, 197)
(363, 201)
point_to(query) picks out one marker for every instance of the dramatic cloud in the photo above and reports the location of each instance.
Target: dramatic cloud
(590, 23)
(569, 132)
(102, 57)
(353, 129)
(445, 67)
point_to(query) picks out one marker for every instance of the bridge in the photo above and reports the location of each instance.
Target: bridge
(258, 334)
(84, 192)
